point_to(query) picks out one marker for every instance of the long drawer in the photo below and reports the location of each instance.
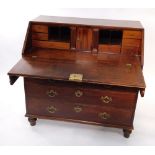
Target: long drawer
(99, 114)
(80, 94)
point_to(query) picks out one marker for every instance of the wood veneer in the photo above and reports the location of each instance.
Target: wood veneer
(108, 53)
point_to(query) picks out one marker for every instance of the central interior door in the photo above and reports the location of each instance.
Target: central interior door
(84, 39)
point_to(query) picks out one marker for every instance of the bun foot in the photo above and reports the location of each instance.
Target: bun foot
(32, 121)
(127, 133)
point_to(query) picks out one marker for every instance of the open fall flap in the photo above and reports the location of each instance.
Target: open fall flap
(120, 73)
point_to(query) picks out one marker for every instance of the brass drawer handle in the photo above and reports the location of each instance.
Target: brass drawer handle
(106, 99)
(52, 93)
(104, 115)
(51, 109)
(78, 93)
(77, 109)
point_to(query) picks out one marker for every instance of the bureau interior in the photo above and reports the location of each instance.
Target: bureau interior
(79, 38)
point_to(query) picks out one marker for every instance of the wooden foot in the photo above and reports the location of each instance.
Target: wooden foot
(127, 133)
(32, 121)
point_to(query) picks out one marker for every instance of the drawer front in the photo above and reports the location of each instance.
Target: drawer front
(132, 34)
(99, 114)
(78, 94)
(130, 50)
(50, 44)
(39, 36)
(109, 48)
(40, 28)
(131, 42)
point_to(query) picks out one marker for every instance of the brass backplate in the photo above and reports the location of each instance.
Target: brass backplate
(76, 77)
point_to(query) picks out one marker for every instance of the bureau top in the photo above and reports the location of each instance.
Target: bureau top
(90, 22)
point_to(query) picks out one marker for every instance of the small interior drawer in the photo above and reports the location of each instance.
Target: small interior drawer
(130, 50)
(132, 34)
(40, 28)
(109, 48)
(39, 36)
(131, 42)
(50, 44)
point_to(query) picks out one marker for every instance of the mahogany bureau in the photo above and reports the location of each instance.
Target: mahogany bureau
(82, 70)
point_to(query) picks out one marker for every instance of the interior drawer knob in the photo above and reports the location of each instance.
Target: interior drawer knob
(51, 93)
(51, 109)
(78, 93)
(106, 99)
(104, 115)
(77, 109)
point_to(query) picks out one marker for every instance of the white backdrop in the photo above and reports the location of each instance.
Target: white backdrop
(14, 128)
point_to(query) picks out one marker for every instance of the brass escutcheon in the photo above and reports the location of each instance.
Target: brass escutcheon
(106, 99)
(51, 93)
(104, 115)
(78, 93)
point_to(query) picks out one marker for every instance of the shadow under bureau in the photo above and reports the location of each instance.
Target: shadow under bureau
(82, 70)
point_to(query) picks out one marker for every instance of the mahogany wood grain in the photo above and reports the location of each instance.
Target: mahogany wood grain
(130, 50)
(89, 22)
(39, 36)
(109, 48)
(95, 40)
(127, 127)
(86, 113)
(108, 53)
(132, 34)
(131, 42)
(84, 39)
(141, 53)
(66, 93)
(73, 38)
(118, 73)
(50, 44)
(39, 28)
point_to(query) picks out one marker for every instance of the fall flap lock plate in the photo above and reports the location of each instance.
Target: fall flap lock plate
(76, 77)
